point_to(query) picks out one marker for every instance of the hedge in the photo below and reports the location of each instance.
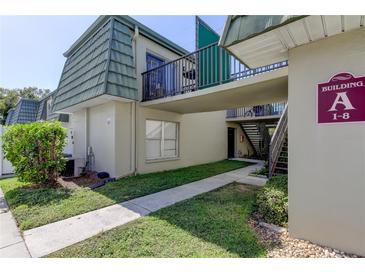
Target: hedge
(35, 150)
(272, 201)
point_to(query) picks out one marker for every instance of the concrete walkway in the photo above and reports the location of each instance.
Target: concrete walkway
(11, 242)
(55, 236)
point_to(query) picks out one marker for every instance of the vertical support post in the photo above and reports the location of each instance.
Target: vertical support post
(197, 67)
(220, 65)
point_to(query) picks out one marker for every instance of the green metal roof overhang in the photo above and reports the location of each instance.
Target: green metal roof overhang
(261, 40)
(240, 28)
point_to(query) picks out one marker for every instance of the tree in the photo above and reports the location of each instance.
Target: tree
(10, 97)
(36, 150)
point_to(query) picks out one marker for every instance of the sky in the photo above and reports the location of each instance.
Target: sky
(32, 47)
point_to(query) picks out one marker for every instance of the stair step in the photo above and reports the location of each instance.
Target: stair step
(281, 168)
(278, 174)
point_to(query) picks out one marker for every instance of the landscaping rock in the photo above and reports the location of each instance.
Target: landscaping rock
(275, 228)
(281, 245)
(67, 183)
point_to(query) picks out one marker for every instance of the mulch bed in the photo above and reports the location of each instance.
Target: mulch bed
(281, 245)
(86, 180)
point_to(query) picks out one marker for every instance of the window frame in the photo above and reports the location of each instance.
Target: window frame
(162, 142)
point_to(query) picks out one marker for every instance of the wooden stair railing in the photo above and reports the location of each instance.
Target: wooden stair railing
(277, 141)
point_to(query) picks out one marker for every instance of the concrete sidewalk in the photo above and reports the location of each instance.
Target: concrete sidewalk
(55, 236)
(11, 242)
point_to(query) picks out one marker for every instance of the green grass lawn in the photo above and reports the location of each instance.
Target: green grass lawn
(213, 224)
(34, 207)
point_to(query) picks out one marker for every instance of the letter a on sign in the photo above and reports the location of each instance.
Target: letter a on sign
(341, 99)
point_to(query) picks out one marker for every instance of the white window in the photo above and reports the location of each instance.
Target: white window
(161, 139)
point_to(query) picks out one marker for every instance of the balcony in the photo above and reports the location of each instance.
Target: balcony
(208, 67)
(259, 112)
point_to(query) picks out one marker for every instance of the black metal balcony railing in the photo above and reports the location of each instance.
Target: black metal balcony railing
(257, 111)
(209, 66)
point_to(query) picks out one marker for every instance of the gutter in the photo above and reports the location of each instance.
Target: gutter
(134, 39)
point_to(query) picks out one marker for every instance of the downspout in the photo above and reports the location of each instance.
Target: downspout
(87, 131)
(135, 36)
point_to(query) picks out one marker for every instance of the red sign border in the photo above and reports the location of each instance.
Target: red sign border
(337, 123)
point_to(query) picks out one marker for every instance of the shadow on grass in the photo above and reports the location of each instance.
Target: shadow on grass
(219, 217)
(121, 190)
(213, 224)
(31, 196)
(34, 207)
(143, 184)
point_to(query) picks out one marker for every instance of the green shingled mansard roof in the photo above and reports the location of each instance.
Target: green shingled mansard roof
(43, 114)
(25, 111)
(9, 118)
(242, 27)
(101, 62)
(31, 110)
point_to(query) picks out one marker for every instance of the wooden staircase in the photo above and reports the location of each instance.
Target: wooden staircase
(252, 132)
(258, 136)
(278, 159)
(281, 166)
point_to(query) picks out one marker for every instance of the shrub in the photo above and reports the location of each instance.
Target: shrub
(35, 150)
(263, 171)
(272, 201)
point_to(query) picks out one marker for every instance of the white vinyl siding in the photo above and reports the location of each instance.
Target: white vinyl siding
(161, 139)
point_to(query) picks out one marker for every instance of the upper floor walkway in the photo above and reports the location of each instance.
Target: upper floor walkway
(265, 112)
(211, 79)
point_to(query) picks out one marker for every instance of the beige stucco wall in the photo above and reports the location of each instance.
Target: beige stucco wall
(101, 136)
(124, 139)
(326, 162)
(202, 139)
(244, 148)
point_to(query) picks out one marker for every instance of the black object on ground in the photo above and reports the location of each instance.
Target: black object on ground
(103, 175)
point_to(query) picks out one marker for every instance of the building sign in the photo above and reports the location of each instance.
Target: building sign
(342, 99)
